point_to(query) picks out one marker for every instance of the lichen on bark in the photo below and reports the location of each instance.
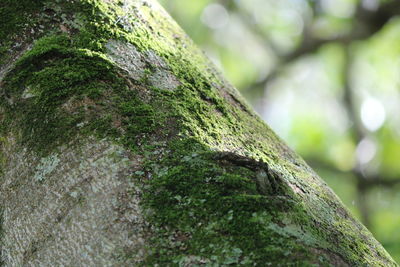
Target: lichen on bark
(121, 144)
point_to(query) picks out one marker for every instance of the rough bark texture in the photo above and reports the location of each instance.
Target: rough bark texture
(122, 145)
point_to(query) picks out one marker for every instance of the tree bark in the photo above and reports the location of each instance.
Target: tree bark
(121, 145)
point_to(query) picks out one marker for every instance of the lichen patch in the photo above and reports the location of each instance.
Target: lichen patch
(46, 167)
(84, 212)
(142, 65)
(164, 79)
(127, 57)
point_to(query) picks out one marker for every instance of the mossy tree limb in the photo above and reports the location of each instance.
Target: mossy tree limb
(122, 145)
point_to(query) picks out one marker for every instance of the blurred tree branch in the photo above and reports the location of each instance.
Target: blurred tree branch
(373, 180)
(365, 24)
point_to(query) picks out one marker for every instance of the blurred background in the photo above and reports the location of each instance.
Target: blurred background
(325, 75)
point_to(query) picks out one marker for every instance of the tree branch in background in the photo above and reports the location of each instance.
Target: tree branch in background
(365, 181)
(373, 180)
(366, 24)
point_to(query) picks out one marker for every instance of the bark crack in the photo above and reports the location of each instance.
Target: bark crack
(269, 182)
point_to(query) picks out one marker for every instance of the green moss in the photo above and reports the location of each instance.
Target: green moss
(14, 17)
(56, 87)
(214, 210)
(203, 208)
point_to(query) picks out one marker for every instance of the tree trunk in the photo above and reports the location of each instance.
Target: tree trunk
(121, 145)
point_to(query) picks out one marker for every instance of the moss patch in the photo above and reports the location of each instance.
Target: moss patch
(14, 17)
(205, 207)
(58, 89)
(214, 210)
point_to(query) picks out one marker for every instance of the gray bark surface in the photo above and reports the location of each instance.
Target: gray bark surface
(121, 145)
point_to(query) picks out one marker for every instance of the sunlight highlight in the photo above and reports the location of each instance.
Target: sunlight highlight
(366, 151)
(373, 114)
(215, 16)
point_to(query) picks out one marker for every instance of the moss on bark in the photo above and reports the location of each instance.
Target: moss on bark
(220, 188)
